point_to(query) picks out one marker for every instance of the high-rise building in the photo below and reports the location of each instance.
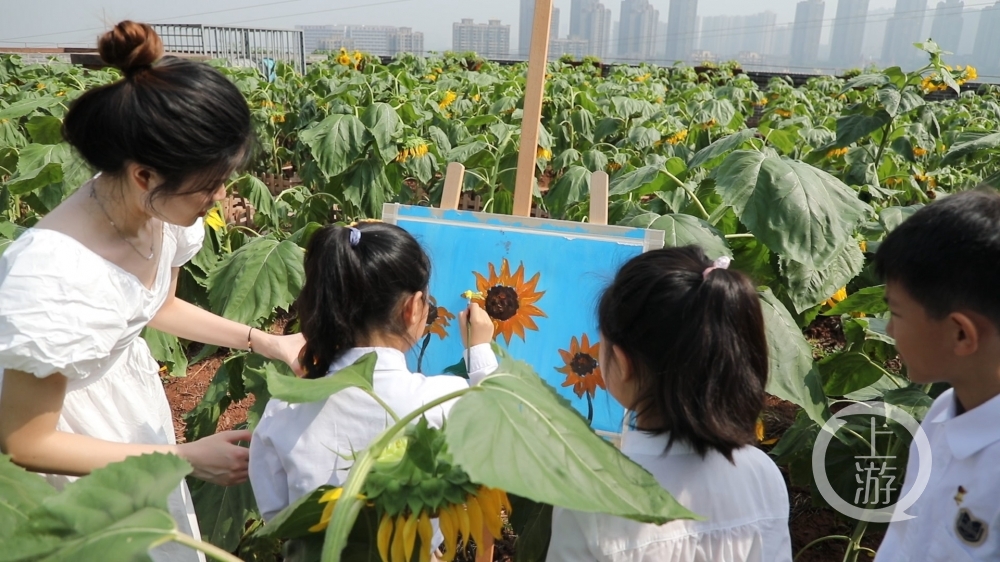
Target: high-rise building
(728, 36)
(781, 44)
(312, 35)
(490, 40)
(805, 32)
(682, 28)
(405, 40)
(590, 20)
(661, 43)
(986, 52)
(946, 30)
(903, 30)
(716, 35)
(576, 48)
(871, 45)
(525, 25)
(576, 10)
(372, 39)
(758, 32)
(848, 33)
(615, 35)
(970, 27)
(637, 30)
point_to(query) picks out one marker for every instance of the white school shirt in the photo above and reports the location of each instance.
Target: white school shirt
(297, 448)
(950, 524)
(745, 506)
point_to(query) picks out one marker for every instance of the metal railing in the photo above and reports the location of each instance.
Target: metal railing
(241, 46)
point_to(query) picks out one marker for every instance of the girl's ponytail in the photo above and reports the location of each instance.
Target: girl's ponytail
(356, 278)
(694, 331)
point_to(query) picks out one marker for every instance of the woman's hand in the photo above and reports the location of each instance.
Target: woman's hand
(281, 348)
(217, 458)
(476, 326)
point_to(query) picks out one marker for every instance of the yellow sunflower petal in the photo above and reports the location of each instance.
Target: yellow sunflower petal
(384, 537)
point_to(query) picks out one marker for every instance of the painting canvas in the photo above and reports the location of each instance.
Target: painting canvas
(538, 279)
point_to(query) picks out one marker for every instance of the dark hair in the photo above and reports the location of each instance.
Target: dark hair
(181, 118)
(696, 343)
(354, 291)
(947, 255)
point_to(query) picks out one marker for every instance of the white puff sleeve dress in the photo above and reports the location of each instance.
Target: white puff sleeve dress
(64, 309)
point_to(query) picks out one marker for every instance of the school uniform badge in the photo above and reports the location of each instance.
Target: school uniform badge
(970, 529)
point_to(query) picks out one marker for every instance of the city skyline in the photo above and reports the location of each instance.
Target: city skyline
(78, 22)
(828, 35)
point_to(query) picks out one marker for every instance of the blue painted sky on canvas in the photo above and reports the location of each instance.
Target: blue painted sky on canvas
(573, 272)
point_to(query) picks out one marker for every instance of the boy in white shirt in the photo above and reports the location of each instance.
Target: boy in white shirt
(942, 271)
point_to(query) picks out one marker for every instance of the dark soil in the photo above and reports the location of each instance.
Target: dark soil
(184, 393)
(826, 335)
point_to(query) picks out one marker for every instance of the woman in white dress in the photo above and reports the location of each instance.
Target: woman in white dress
(79, 386)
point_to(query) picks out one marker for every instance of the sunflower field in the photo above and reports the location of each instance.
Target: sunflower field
(798, 184)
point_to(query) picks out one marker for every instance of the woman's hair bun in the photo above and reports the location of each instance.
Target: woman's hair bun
(130, 46)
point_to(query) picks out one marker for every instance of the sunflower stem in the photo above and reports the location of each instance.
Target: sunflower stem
(346, 511)
(590, 409)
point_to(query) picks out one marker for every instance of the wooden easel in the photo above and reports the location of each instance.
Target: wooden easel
(525, 180)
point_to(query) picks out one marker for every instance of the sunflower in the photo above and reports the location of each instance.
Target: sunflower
(581, 368)
(508, 300)
(330, 499)
(482, 511)
(438, 318)
(543, 153)
(345, 60)
(413, 148)
(919, 151)
(449, 98)
(840, 295)
(783, 113)
(214, 219)
(678, 137)
(836, 152)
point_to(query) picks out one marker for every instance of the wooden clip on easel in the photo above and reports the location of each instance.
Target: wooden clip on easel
(531, 123)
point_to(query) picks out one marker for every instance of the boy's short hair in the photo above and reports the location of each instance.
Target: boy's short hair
(947, 255)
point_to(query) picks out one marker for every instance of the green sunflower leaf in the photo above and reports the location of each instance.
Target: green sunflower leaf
(556, 453)
(250, 283)
(296, 390)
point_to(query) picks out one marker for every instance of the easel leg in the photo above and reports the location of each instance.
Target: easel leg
(599, 198)
(454, 178)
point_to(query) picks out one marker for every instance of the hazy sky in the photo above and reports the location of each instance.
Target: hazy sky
(77, 22)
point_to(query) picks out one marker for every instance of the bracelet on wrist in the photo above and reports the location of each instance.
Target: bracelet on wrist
(250, 340)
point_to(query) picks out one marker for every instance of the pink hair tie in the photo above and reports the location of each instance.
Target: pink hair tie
(721, 263)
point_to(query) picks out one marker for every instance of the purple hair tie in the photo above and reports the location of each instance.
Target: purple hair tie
(355, 236)
(721, 263)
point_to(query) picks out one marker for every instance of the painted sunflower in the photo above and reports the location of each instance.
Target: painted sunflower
(438, 318)
(581, 368)
(508, 300)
